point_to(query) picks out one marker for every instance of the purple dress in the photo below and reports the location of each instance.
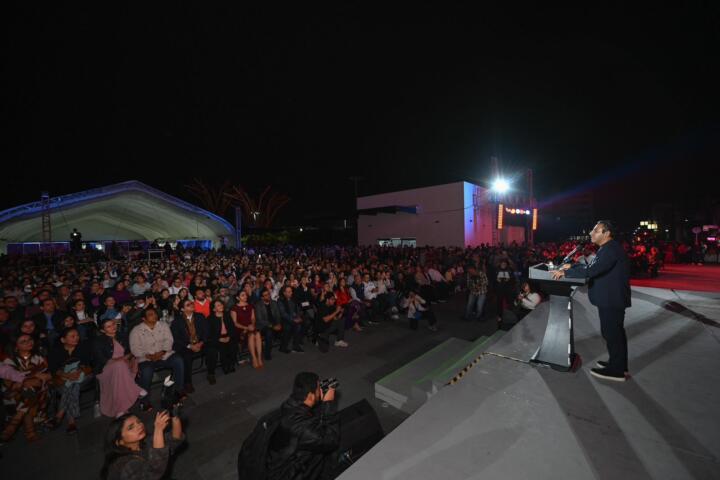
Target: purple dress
(118, 390)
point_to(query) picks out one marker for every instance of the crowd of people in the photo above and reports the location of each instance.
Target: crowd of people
(108, 326)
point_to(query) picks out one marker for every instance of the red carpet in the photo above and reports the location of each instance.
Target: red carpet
(704, 278)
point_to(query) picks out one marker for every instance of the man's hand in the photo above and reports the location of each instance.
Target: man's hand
(277, 327)
(558, 274)
(565, 266)
(329, 395)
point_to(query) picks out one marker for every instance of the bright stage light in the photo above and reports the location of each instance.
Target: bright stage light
(500, 185)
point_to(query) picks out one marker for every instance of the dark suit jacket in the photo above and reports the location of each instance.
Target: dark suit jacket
(213, 328)
(58, 320)
(181, 336)
(288, 310)
(609, 276)
(261, 316)
(102, 350)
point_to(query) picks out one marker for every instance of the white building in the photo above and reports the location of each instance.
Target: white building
(455, 214)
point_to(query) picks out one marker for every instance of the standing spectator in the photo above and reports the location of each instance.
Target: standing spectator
(477, 283)
(504, 287)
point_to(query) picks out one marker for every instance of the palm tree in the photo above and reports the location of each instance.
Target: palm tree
(261, 212)
(212, 199)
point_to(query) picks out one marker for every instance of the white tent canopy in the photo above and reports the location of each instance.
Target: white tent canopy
(124, 211)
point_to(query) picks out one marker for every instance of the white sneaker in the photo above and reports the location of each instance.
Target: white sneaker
(395, 316)
(394, 309)
(341, 343)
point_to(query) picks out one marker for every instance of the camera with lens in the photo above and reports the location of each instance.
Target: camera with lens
(328, 383)
(170, 399)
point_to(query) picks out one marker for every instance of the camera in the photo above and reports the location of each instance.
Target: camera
(328, 383)
(170, 399)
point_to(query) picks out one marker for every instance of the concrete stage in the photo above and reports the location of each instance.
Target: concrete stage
(507, 418)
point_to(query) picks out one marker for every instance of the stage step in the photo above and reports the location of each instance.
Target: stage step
(441, 377)
(408, 387)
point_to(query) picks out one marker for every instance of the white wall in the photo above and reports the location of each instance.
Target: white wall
(479, 218)
(439, 221)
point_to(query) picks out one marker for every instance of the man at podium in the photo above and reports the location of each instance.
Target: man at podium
(608, 278)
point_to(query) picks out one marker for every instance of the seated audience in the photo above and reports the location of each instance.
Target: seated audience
(70, 365)
(151, 343)
(189, 331)
(330, 321)
(222, 339)
(268, 321)
(30, 397)
(292, 322)
(115, 368)
(417, 309)
(243, 316)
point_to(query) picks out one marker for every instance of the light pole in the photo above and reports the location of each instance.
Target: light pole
(500, 186)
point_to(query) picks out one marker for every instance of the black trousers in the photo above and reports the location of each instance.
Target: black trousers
(226, 351)
(186, 354)
(291, 330)
(268, 335)
(336, 327)
(612, 327)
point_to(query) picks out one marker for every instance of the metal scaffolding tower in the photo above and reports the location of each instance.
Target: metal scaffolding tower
(46, 225)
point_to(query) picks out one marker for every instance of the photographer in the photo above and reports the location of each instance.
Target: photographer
(526, 301)
(304, 444)
(129, 457)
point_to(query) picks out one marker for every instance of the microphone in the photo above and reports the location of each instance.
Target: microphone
(570, 255)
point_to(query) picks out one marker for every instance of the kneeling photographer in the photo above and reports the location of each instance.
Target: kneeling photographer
(128, 456)
(305, 444)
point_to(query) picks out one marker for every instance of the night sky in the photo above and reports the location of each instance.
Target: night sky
(624, 102)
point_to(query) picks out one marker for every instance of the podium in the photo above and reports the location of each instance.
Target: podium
(558, 348)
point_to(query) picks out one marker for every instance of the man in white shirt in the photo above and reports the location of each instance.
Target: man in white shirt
(151, 343)
(140, 286)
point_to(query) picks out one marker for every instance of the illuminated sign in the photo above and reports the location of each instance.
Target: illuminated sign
(500, 217)
(517, 211)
